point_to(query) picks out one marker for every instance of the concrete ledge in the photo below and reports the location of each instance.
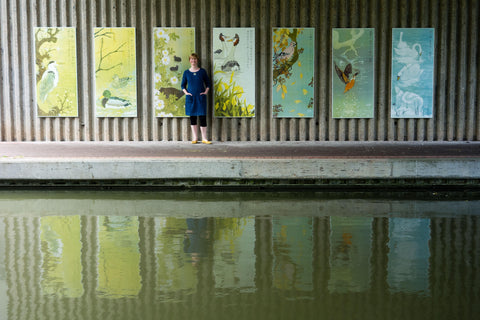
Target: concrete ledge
(238, 164)
(206, 168)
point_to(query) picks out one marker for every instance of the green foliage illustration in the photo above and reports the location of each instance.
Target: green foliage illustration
(228, 99)
(172, 48)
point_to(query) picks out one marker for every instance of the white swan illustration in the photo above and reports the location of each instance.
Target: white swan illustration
(408, 104)
(409, 75)
(405, 54)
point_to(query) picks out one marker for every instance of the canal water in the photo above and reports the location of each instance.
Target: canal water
(202, 255)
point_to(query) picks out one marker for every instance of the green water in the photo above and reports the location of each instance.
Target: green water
(147, 255)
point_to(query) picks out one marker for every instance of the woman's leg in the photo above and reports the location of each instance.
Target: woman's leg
(203, 129)
(194, 126)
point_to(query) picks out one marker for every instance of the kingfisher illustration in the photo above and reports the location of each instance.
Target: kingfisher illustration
(345, 76)
(113, 102)
(49, 81)
(285, 54)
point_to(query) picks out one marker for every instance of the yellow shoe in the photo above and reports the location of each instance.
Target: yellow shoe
(194, 141)
(206, 142)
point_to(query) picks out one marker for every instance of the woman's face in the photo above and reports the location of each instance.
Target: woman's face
(193, 61)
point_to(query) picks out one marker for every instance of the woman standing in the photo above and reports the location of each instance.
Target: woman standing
(195, 85)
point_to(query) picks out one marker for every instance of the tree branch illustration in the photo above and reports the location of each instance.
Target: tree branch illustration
(42, 58)
(285, 66)
(106, 34)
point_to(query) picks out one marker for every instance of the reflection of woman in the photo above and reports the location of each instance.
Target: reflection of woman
(195, 85)
(196, 238)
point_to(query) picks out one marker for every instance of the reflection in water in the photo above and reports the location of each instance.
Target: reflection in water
(292, 251)
(257, 267)
(350, 240)
(234, 262)
(408, 255)
(118, 257)
(175, 270)
(61, 251)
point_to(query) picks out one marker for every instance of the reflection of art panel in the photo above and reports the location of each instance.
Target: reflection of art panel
(408, 255)
(292, 72)
(61, 248)
(118, 257)
(234, 72)
(352, 73)
(115, 72)
(234, 250)
(172, 47)
(412, 73)
(292, 250)
(56, 72)
(350, 247)
(176, 272)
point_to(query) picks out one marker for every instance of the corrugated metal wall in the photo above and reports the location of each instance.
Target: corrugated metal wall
(457, 88)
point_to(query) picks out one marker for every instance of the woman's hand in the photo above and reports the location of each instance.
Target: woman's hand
(186, 92)
(205, 92)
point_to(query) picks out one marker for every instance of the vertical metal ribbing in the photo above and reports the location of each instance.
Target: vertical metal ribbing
(322, 92)
(11, 74)
(472, 101)
(262, 112)
(4, 79)
(382, 110)
(144, 70)
(476, 50)
(456, 93)
(452, 76)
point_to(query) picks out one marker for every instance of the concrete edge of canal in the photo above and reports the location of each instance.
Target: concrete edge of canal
(240, 173)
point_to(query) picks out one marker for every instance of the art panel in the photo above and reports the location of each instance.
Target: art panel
(115, 72)
(172, 47)
(293, 72)
(56, 72)
(353, 72)
(234, 72)
(412, 72)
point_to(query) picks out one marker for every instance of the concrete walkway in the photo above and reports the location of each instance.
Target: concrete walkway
(234, 163)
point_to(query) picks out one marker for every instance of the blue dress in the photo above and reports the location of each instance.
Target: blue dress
(195, 83)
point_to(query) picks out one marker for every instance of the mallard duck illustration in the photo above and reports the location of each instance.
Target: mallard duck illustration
(118, 82)
(113, 102)
(345, 76)
(49, 81)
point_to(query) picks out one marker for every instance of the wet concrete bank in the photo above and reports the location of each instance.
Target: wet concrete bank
(233, 164)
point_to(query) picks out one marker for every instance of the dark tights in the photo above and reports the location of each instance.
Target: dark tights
(203, 121)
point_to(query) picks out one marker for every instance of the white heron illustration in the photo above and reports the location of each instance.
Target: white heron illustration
(49, 81)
